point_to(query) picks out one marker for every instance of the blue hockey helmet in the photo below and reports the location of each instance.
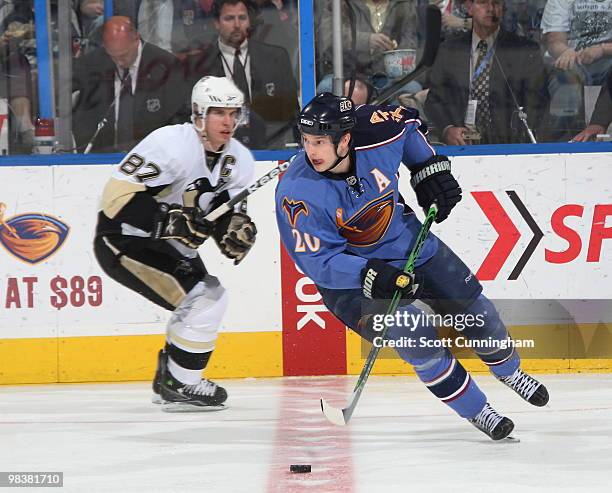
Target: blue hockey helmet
(328, 114)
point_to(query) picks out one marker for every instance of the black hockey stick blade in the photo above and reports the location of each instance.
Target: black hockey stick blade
(430, 50)
(227, 206)
(341, 417)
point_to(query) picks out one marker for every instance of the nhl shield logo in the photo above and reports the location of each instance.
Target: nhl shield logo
(351, 180)
(153, 105)
(270, 89)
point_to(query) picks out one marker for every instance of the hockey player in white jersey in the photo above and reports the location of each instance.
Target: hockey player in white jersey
(151, 224)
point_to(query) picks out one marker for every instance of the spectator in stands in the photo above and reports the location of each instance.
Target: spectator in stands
(455, 18)
(523, 17)
(6, 9)
(579, 39)
(277, 24)
(16, 90)
(17, 28)
(476, 78)
(602, 114)
(261, 71)
(381, 25)
(182, 27)
(130, 86)
(90, 17)
(19, 23)
(363, 92)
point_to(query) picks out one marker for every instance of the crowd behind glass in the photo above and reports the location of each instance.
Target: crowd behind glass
(504, 68)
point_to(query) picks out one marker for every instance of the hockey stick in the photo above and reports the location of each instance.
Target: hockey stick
(341, 417)
(229, 205)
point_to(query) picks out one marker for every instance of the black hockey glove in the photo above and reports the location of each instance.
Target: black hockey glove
(185, 224)
(434, 182)
(235, 234)
(380, 280)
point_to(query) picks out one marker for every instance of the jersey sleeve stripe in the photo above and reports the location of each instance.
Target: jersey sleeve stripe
(433, 151)
(378, 144)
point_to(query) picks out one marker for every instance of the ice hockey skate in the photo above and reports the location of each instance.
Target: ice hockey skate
(179, 397)
(527, 387)
(175, 396)
(162, 360)
(489, 421)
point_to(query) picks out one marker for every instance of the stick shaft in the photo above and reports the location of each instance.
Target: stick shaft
(229, 205)
(408, 268)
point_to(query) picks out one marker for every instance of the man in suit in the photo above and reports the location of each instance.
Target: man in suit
(261, 71)
(130, 86)
(476, 78)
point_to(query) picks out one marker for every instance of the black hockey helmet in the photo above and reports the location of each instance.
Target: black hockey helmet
(328, 114)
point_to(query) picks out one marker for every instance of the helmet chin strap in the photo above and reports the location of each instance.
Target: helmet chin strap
(339, 158)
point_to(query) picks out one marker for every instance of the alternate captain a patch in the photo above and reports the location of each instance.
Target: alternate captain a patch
(293, 208)
(369, 224)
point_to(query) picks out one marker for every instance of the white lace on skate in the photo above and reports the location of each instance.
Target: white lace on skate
(487, 419)
(203, 387)
(521, 383)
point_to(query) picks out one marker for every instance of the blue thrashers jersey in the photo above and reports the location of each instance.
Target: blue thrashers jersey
(331, 224)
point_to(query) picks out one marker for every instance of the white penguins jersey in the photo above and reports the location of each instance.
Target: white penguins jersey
(169, 166)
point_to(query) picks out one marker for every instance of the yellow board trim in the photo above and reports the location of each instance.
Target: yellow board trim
(238, 355)
(389, 363)
(129, 358)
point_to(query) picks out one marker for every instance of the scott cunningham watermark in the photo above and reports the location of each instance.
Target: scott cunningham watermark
(457, 342)
(460, 322)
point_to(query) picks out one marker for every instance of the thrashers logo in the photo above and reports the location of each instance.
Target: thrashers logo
(31, 237)
(368, 225)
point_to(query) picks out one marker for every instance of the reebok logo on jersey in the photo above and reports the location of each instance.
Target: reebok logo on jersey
(368, 283)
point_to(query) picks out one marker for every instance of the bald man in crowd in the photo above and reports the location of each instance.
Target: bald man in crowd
(126, 89)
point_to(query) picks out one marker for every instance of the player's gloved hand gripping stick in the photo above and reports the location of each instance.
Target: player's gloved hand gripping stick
(229, 205)
(192, 228)
(342, 416)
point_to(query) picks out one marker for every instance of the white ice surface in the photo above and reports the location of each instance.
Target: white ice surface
(107, 437)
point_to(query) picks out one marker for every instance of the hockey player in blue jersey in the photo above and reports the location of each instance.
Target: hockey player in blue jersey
(342, 220)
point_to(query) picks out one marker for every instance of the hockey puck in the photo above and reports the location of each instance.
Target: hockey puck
(300, 468)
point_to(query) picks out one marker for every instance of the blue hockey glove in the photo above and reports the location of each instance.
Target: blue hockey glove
(434, 182)
(380, 280)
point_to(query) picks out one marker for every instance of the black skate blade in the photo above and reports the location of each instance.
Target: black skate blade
(186, 407)
(156, 399)
(510, 439)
